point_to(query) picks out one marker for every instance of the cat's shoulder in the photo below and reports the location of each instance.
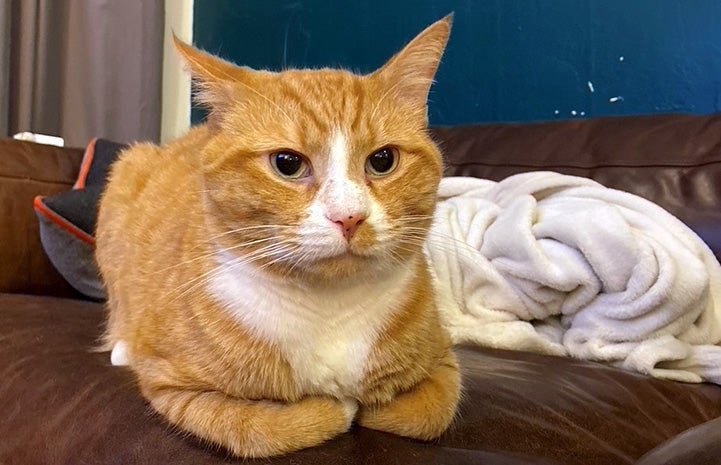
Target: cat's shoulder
(142, 160)
(142, 154)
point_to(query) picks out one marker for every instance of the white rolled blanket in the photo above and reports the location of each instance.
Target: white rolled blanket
(561, 265)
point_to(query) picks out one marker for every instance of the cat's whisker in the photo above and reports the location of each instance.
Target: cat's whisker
(211, 240)
(432, 234)
(252, 228)
(436, 241)
(274, 254)
(203, 278)
(277, 260)
(396, 257)
(411, 222)
(415, 217)
(420, 236)
(210, 254)
(442, 240)
(301, 259)
(265, 252)
(226, 249)
(199, 281)
(467, 252)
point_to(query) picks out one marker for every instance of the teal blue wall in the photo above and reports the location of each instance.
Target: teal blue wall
(507, 60)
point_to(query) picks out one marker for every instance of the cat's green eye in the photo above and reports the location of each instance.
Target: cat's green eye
(290, 165)
(381, 162)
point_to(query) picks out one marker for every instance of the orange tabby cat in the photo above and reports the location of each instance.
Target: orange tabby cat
(265, 272)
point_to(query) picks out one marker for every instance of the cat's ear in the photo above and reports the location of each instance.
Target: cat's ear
(409, 73)
(205, 66)
(216, 79)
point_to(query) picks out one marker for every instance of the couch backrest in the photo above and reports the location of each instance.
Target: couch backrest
(26, 170)
(673, 160)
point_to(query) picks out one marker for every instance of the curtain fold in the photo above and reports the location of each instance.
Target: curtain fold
(82, 68)
(4, 65)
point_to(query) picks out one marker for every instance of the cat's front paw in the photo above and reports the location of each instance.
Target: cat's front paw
(424, 412)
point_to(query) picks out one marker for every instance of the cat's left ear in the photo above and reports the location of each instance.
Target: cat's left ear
(409, 73)
(217, 80)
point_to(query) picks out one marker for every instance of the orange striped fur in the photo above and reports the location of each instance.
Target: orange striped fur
(254, 313)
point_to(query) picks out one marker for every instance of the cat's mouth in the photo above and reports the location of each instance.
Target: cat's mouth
(339, 266)
(350, 254)
(347, 255)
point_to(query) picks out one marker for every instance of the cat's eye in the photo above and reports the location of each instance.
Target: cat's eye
(290, 165)
(381, 162)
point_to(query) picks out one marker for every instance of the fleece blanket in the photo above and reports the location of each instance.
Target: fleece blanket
(561, 265)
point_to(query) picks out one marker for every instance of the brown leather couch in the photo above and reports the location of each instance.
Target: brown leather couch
(60, 403)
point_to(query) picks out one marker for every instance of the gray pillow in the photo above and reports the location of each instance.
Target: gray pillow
(67, 220)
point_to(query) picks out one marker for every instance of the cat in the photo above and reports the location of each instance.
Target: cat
(265, 275)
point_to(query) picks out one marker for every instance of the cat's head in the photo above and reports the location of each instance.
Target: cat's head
(320, 173)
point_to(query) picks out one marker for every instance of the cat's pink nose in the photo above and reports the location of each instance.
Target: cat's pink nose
(348, 224)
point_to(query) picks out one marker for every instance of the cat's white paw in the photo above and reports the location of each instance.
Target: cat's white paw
(350, 406)
(119, 355)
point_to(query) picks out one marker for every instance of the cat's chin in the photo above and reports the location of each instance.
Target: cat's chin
(343, 266)
(340, 266)
(354, 261)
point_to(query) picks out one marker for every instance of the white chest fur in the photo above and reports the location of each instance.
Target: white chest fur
(326, 334)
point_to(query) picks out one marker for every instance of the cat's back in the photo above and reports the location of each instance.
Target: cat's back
(145, 167)
(148, 189)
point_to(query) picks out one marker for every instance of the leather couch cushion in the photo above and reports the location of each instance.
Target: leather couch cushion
(28, 169)
(64, 404)
(673, 160)
(700, 445)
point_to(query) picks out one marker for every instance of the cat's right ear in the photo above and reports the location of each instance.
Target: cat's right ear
(409, 73)
(214, 77)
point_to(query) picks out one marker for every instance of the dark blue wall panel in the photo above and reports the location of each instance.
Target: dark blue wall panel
(507, 60)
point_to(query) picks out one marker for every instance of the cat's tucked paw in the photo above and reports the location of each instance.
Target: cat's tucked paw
(350, 406)
(423, 412)
(119, 355)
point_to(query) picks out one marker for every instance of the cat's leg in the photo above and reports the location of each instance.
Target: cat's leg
(249, 428)
(425, 411)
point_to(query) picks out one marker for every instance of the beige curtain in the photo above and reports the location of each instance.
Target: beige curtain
(4, 66)
(81, 68)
